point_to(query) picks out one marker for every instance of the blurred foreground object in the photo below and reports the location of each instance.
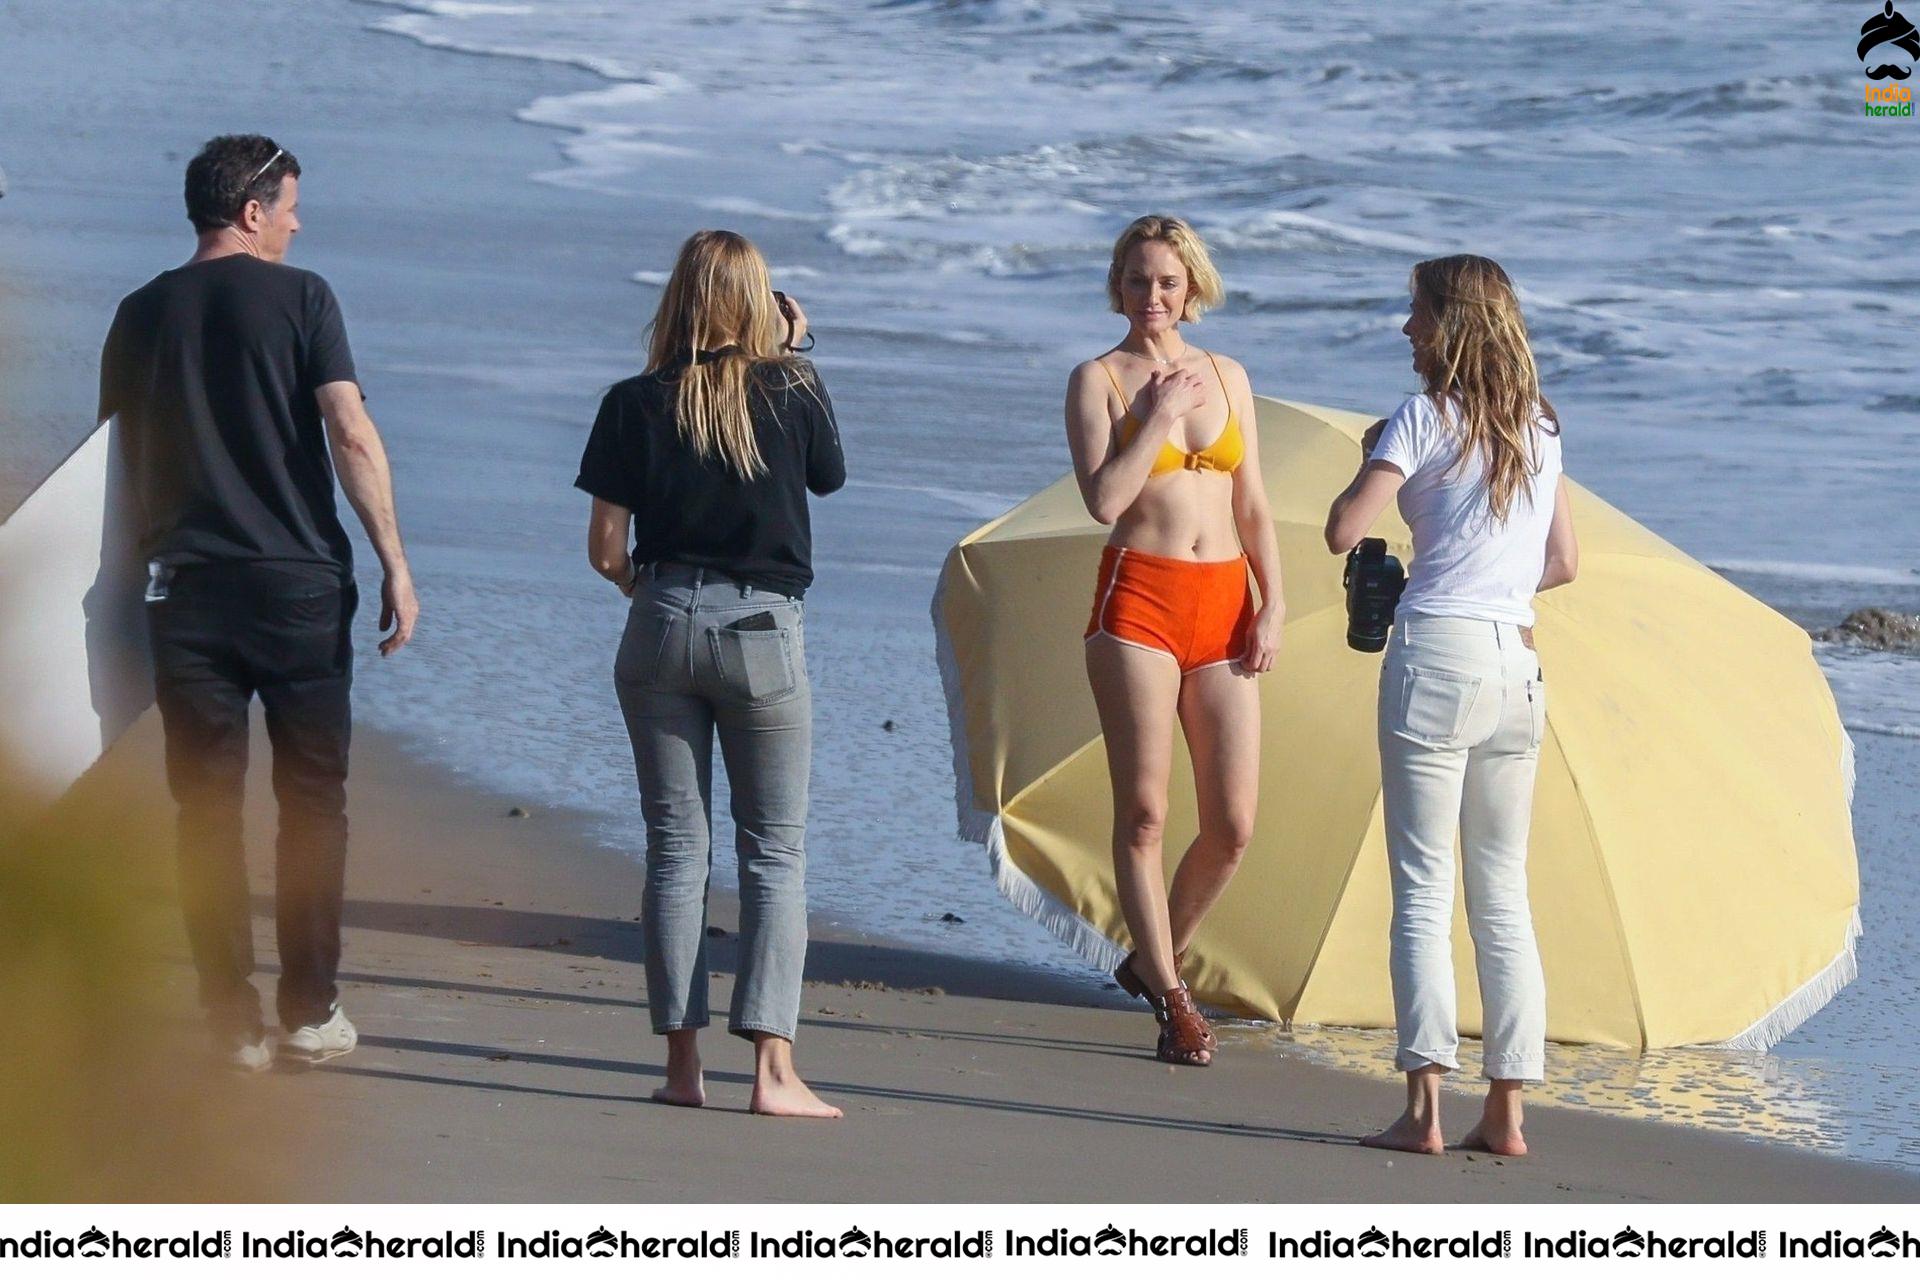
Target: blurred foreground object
(108, 1087)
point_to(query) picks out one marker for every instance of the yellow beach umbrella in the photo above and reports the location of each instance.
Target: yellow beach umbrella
(1692, 862)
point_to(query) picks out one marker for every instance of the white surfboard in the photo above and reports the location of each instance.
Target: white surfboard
(74, 666)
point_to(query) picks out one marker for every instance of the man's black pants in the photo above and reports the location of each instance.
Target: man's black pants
(224, 633)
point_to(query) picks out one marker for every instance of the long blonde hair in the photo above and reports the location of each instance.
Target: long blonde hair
(718, 319)
(1481, 371)
(1204, 288)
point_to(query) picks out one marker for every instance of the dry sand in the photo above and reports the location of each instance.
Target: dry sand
(493, 965)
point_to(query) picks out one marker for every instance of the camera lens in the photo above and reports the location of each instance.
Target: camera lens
(1374, 581)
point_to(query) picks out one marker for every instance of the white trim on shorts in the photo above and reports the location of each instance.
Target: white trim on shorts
(1100, 615)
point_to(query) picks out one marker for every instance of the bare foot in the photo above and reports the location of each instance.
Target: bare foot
(685, 1086)
(1422, 1137)
(778, 1089)
(1500, 1140)
(682, 1095)
(789, 1095)
(1500, 1121)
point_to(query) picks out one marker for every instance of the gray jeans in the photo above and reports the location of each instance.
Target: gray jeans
(703, 652)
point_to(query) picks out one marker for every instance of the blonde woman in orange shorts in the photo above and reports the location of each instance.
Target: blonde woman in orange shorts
(1164, 448)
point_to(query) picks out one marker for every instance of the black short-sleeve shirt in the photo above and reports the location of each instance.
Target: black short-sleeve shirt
(212, 369)
(695, 511)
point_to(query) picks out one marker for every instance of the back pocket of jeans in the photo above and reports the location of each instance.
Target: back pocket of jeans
(1434, 705)
(641, 645)
(754, 666)
(306, 637)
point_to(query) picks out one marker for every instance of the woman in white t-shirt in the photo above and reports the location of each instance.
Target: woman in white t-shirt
(1475, 462)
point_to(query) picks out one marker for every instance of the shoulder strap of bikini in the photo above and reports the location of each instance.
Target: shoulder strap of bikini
(1223, 380)
(1126, 405)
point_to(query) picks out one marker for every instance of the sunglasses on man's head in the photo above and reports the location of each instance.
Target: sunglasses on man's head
(277, 153)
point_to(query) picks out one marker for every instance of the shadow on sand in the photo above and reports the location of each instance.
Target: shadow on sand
(830, 961)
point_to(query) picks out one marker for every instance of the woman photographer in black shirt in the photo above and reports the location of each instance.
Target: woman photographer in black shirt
(705, 461)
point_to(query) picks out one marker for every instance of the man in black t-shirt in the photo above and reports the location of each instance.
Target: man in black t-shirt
(237, 401)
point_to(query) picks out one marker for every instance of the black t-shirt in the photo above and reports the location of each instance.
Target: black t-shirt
(212, 369)
(693, 511)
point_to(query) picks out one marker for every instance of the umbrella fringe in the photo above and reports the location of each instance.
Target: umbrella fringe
(975, 823)
(1812, 996)
(1846, 764)
(1060, 920)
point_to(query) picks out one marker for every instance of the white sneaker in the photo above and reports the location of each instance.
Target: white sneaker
(321, 1042)
(247, 1053)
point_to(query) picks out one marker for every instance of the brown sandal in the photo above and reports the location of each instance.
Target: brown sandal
(1184, 1033)
(1213, 1043)
(1131, 984)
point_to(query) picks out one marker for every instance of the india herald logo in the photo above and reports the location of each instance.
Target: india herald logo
(1883, 37)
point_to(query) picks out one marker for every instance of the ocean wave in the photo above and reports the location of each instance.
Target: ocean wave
(658, 279)
(1039, 181)
(1773, 388)
(425, 24)
(1877, 691)
(1745, 96)
(746, 208)
(609, 148)
(1003, 261)
(1881, 575)
(832, 565)
(1235, 142)
(473, 9)
(1430, 144)
(609, 108)
(1023, 17)
(1885, 730)
(1214, 69)
(1257, 303)
(972, 502)
(1014, 214)
(1292, 231)
(609, 164)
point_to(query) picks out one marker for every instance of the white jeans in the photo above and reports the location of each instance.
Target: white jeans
(1462, 712)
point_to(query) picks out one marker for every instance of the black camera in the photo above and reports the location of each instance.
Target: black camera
(1374, 581)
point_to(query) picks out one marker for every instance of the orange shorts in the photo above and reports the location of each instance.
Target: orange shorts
(1199, 612)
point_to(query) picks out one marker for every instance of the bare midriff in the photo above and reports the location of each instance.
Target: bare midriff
(1183, 515)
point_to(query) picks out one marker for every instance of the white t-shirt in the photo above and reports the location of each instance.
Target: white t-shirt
(1466, 564)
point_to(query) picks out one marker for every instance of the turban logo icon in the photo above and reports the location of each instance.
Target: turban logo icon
(1884, 29)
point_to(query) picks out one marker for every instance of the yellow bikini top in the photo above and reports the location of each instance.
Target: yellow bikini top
(1224, 454)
